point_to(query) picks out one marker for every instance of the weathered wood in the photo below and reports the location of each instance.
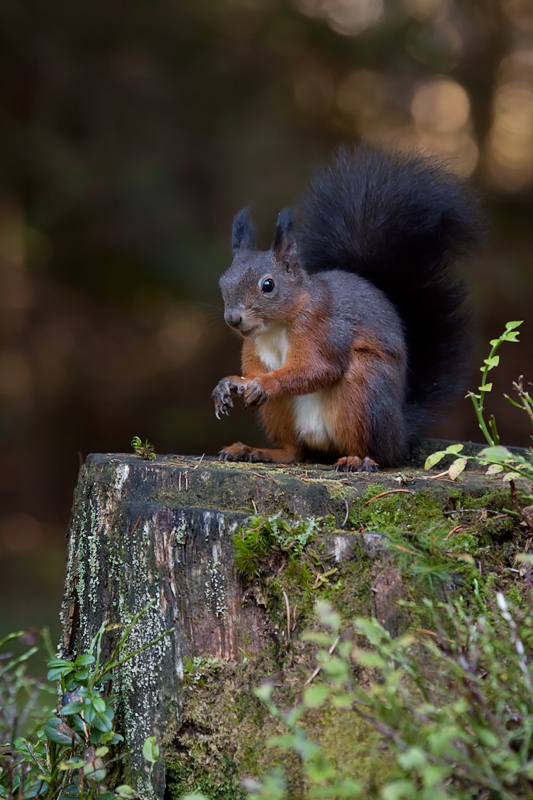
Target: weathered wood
(162, 531)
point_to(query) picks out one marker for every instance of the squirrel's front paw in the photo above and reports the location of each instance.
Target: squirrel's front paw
(222, 394)
(254, 394)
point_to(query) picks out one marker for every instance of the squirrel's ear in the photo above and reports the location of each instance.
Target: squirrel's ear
(285, 247)
(243, 231)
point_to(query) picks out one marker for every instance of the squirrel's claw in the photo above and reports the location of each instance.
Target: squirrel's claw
(254, 394)
(356, 464)
(222, 396)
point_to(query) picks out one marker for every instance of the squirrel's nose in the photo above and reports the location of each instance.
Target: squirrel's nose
(233, 318)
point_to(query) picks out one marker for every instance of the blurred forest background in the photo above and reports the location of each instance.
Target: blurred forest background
(130, 134)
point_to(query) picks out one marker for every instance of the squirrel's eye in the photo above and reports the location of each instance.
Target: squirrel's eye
(267, 285)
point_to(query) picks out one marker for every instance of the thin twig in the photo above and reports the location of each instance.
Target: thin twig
(288, 615)
(390, 491)
(347, 512)
(201, 459)
(317, 670)
(454, 531)
(135, 526)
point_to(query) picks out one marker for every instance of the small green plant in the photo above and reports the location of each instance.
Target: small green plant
(263, 535)
(143, 449)
(489, 430)
(495, 457)
(197, 668)
(68, 757)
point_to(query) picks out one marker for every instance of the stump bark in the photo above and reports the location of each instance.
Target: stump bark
(161, 532)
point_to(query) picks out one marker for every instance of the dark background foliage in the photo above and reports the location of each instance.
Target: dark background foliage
(131, 132)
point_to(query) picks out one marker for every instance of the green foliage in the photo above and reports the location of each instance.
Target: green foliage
(498, 458)
(143, 449)
(417, 531)
(454, 704)
(24, 699)
(67, 756)
(264, 535)
(490, 432)
(198, 668)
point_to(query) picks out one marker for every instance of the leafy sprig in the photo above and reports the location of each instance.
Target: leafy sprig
(67, 758)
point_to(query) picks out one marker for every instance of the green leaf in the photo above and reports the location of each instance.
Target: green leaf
(318, 638)
(56, 673)
(486, 388)
(126, 791)
(456, 468)
(264, 691)
(71, 682)
(492, 362)
(72, 763)
(335, 667)
(488, 738)
(498, 454)
(72, 708)
(454, 448)
(434, 458)
(368, 658)
(102, 723)
(414, 758)
(343, 700)
(397, 790)
(327, 615)
(59, 662)
(510, 326)
(521, 558)
(58, 731)
(151, 749)
(315, 696)
(493, 469)
(84, 660)
(108, 676)
(99, 705)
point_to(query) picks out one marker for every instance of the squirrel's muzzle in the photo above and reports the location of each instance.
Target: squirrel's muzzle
(233, 318)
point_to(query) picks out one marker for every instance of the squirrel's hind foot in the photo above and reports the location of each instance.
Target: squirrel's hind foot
(356, 464)
(243, 452)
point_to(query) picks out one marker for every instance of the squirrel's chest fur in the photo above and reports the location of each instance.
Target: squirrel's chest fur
(310, 423)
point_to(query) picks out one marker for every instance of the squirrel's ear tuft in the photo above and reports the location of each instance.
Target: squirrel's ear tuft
(285, 247)
(243, 231)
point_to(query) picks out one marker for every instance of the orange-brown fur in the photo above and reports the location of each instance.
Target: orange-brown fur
(305, 371)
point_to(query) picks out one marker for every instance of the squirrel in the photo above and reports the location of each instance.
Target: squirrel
(356, 329)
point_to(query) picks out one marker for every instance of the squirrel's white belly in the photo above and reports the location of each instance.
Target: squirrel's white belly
(272, 347)
(309, 418)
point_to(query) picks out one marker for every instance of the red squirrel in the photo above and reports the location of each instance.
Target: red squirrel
(355, 328)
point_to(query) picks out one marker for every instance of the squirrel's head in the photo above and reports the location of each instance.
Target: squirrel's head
(262, 287)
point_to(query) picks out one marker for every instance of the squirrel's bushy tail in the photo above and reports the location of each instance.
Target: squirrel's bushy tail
(402, 222)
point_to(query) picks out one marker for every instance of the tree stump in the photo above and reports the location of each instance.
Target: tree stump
(162, 532)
